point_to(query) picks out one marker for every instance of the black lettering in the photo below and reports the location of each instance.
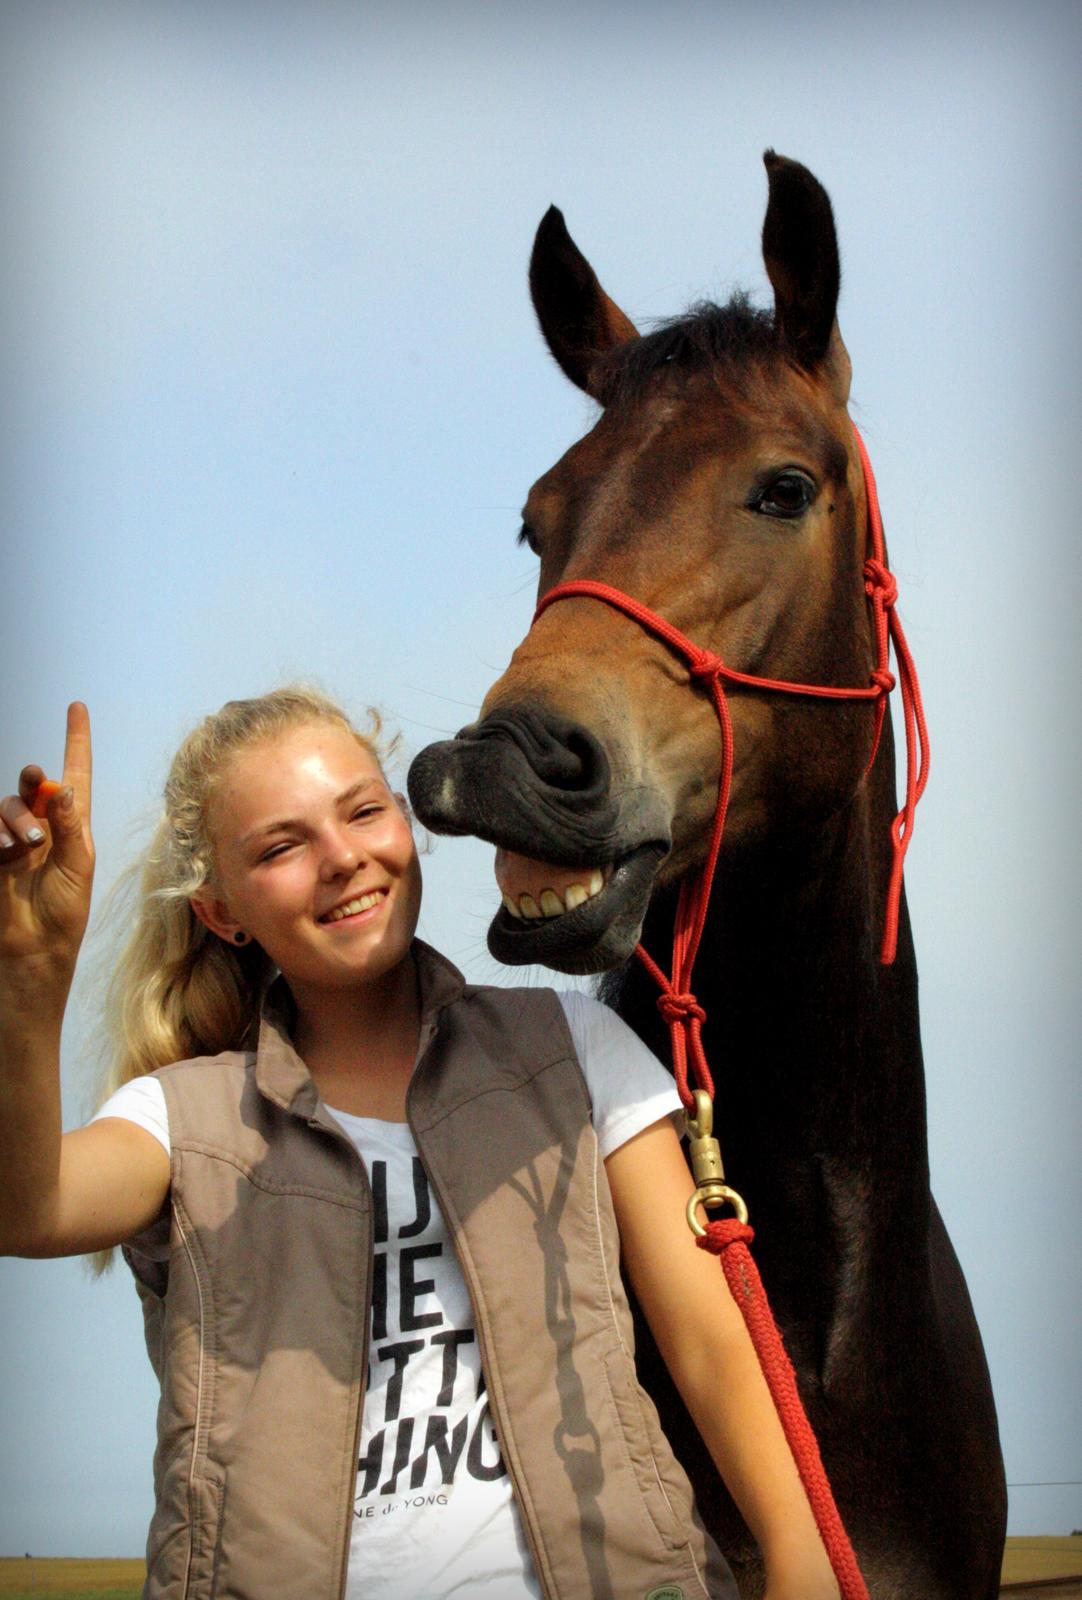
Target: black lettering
(371, 1464)
(423, 1202)
(450, 1342)
(379, 1297)
(401, 1455)
(448, 1456)
(378, 1179)
(410, 1290)
(399, 1354)
(478, 1467)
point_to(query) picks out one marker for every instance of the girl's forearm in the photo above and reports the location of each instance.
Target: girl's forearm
(706, 1346)
(727, 1395)
(30, 1116)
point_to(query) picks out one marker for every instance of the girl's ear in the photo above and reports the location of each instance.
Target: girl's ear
(214, 914)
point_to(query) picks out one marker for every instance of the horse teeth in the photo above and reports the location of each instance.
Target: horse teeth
(549, 903)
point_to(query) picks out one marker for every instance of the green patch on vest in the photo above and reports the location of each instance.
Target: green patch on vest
(668, 1591)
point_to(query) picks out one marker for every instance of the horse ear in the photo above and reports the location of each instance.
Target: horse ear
(800, 249)
(579, 321)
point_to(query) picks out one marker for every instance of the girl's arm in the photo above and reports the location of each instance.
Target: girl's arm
(59, 1194)
(702, 1337)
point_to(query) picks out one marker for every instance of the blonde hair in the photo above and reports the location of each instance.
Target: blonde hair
(179, 990)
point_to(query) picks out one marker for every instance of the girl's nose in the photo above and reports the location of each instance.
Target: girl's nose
(342, 853)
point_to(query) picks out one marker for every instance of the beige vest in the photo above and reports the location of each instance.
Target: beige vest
(258, 1328)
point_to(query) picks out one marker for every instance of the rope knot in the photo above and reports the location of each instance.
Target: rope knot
(676, 1007)
(879, 580)
(721, 1234)
(883, 678)
(704, 664)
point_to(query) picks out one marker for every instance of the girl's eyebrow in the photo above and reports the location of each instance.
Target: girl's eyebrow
(285, 823)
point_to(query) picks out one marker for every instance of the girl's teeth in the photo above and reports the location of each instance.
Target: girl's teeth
(353, 908)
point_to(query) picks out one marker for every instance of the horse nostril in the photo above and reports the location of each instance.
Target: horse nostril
(562, 754)
(585, 765)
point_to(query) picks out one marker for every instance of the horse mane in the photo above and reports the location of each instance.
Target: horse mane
(707, 336)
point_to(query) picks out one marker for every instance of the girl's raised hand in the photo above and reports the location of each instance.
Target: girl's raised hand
(47, 866)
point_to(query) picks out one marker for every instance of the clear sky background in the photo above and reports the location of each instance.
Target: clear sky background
(273, 395)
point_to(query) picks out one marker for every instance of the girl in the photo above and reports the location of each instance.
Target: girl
(375, 1215)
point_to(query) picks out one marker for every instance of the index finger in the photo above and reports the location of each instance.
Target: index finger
(77, 758)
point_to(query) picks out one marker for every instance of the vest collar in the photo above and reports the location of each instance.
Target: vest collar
(282, 1076)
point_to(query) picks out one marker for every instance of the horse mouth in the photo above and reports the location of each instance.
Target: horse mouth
(567, 933)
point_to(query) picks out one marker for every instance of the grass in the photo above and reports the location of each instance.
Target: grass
(51, 1578)
(1042, 1559)
(56, 1578)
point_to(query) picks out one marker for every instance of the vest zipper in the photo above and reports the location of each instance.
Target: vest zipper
(362, 1385)
(428, 1031)
(532, 1533)
(362, 1368)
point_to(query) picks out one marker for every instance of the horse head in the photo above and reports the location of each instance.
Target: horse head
(722, 487)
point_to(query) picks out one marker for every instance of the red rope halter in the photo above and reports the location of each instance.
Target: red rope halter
(677, 1002)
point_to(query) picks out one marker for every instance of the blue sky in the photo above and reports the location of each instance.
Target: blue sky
(273, 395)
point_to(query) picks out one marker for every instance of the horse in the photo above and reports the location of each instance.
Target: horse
(722, 487)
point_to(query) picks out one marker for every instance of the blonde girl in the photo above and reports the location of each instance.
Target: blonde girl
(375, 1216)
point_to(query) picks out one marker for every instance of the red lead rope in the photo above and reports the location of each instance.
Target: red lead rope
(729, 1239)
(677, 1003)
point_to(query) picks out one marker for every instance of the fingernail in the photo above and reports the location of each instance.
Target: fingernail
(66, 798)
(35, 835)
(6, 841)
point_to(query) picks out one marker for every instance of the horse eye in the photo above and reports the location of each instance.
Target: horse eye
(527, 536)
(787, 495)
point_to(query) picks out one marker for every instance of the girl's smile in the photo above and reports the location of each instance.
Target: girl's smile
(352, 910)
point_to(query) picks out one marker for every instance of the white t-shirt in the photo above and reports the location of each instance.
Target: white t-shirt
(434, 1515)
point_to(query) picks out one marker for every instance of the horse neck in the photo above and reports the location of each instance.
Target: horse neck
(813, 1044)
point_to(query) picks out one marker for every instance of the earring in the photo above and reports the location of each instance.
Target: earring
(240, 937)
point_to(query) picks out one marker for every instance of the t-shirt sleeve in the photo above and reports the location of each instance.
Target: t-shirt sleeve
(141, 1101)
(629, 1088)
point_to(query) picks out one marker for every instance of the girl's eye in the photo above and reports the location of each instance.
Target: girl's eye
(787, 495)
(370, 810)
(275, 850)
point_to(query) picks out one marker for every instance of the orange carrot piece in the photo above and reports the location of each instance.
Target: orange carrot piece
(44, 792)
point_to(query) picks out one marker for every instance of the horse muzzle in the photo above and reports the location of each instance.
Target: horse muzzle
(540, 786)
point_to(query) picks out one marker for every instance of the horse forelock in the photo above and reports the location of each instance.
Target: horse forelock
(706, 337)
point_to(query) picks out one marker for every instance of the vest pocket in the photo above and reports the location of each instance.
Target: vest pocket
(638, 1430)
(207, 1500)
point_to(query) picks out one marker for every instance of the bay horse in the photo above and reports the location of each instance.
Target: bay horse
(722, 487)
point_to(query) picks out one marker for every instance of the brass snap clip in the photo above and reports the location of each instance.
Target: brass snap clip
(706, 1167)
